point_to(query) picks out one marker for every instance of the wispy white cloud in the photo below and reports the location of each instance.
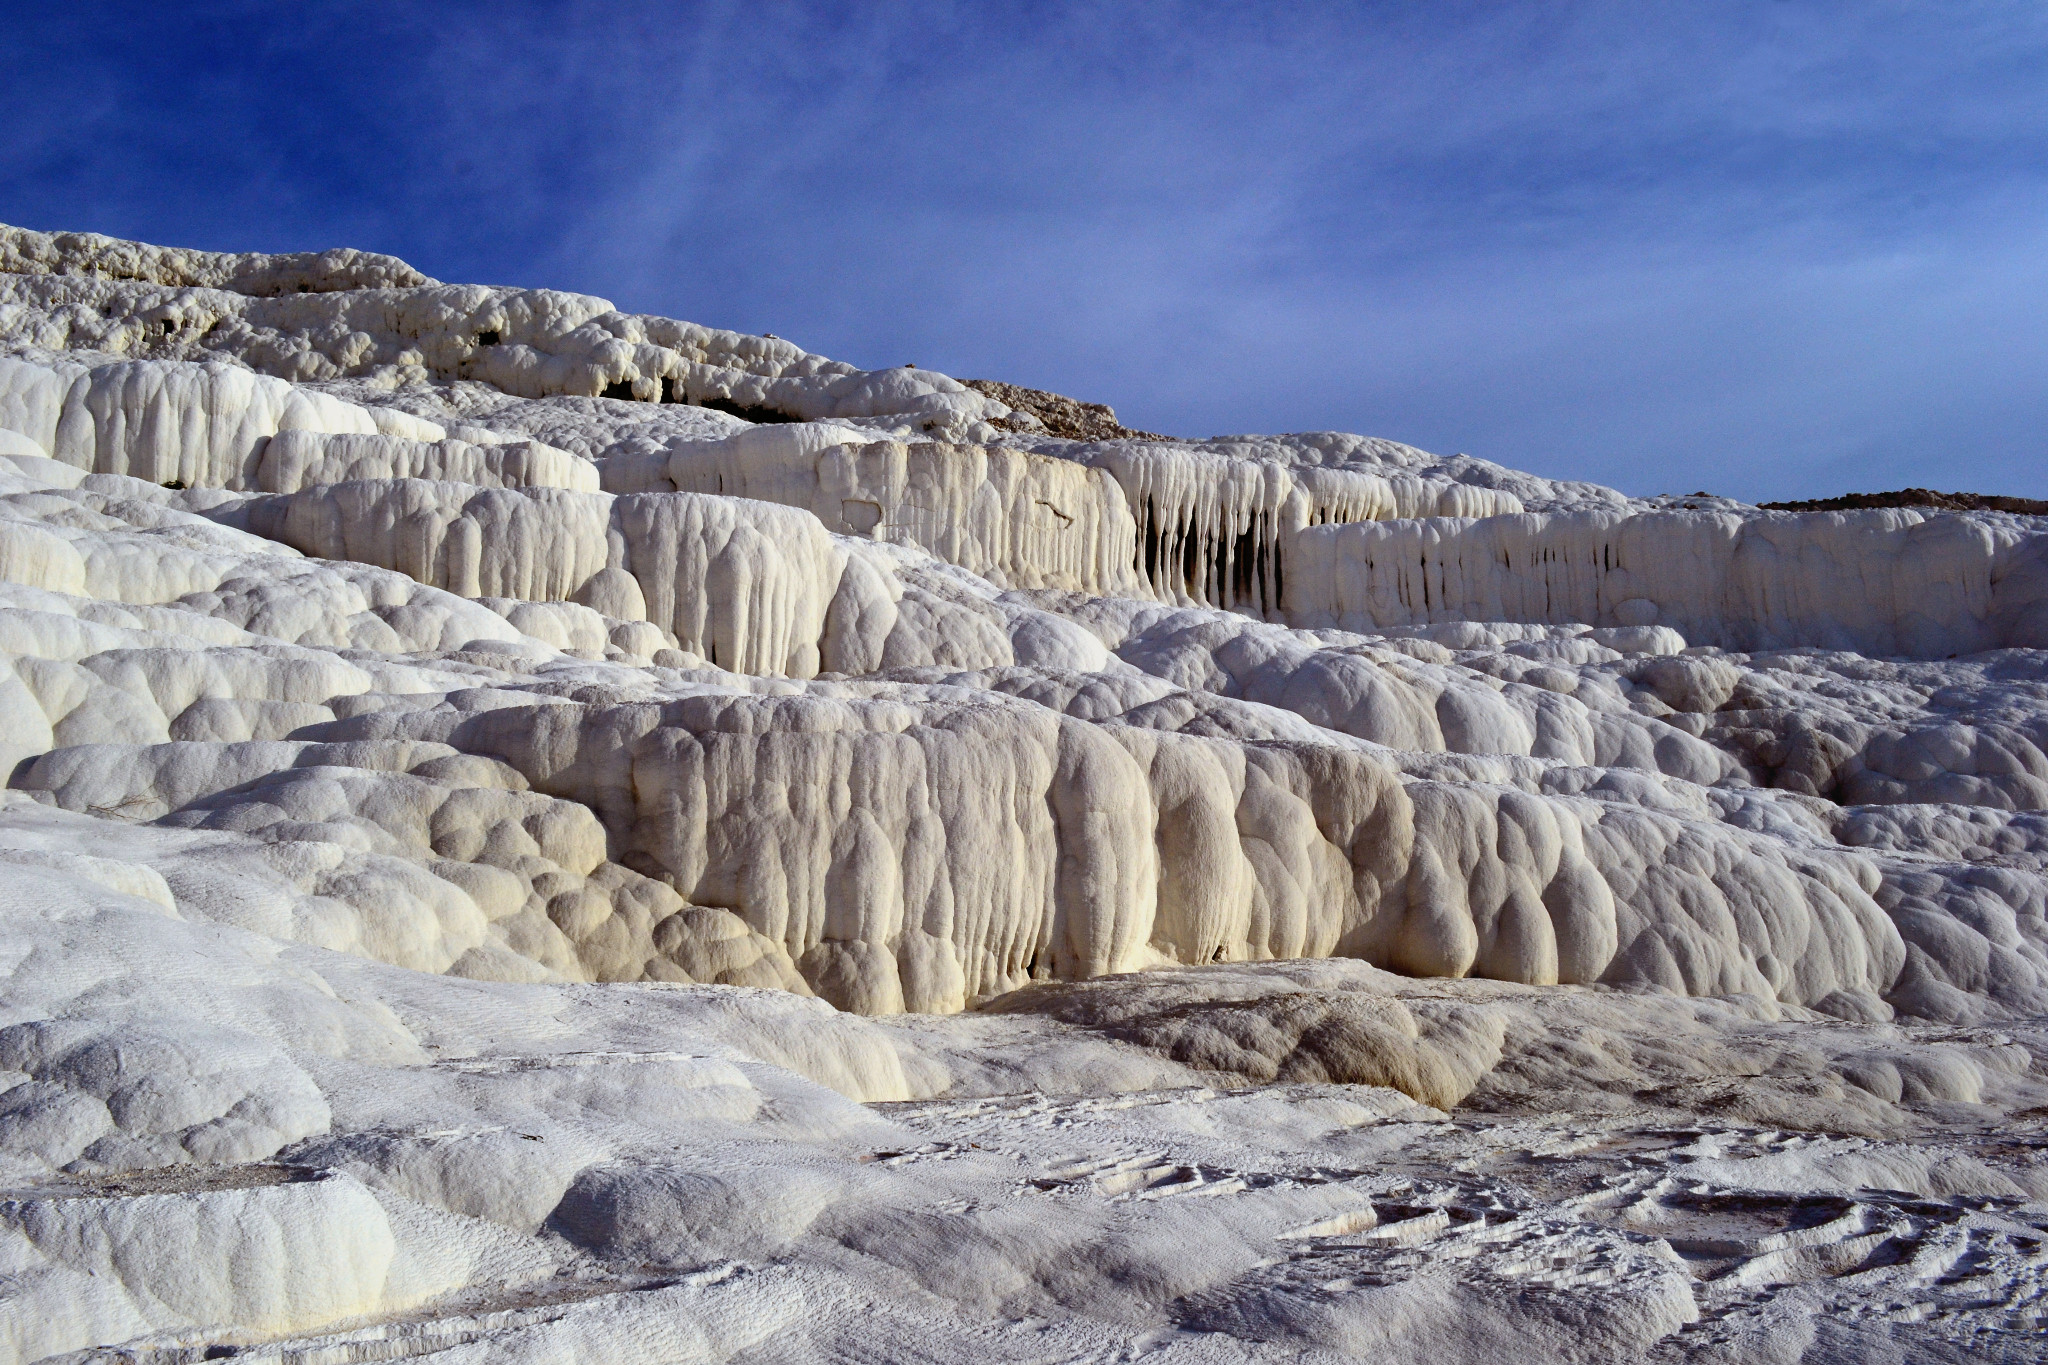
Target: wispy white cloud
(1774, 249)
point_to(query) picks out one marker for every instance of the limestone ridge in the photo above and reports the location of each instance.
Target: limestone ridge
(1038, 706)
(462, 739)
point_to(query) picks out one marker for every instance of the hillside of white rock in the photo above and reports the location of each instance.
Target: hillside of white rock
(539, 833)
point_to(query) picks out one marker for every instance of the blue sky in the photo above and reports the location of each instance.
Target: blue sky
(1769, 250)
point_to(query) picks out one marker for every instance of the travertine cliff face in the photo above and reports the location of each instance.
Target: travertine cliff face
(498, 635)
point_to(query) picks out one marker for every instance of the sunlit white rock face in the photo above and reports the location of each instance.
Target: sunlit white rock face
(475, 756)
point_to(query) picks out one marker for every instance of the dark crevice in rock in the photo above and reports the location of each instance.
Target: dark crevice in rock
(746, 413)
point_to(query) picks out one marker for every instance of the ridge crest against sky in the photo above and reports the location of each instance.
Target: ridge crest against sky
(1769, 250)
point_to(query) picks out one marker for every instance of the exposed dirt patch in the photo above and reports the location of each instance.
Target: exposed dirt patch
(1915, 497)
(1060, 415)
(197, 1179)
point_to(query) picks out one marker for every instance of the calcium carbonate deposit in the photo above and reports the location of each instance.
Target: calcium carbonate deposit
(535, 833)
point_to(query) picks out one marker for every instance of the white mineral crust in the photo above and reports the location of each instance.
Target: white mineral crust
(535, 833)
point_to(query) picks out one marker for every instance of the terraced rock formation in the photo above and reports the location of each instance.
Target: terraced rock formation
(537, 832)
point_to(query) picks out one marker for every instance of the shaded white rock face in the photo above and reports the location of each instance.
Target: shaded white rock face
(474, 757)
(1885, 582)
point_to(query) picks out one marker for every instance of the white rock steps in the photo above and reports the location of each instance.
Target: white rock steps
(359, 316)
(1881, 583)
(1200, 529)
(1042, 775)
(380, 796)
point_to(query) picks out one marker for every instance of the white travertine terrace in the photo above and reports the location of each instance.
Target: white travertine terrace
(1885, 582)
(497, 784)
